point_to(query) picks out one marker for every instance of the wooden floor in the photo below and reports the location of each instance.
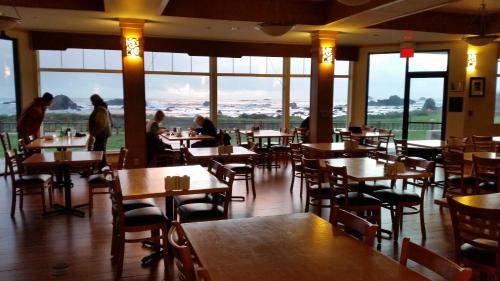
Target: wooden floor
(71, 248)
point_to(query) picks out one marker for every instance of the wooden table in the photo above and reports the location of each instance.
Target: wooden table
(207, 153)
(489, 155)
(485, 201)
(186, 137)
(299, 246)
(365, 135)
(431, 144)
(150, 183)
(268, 134)
(59, 143)
(335, 148)
(78, 158)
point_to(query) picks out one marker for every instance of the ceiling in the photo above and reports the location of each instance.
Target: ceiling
(235, 20)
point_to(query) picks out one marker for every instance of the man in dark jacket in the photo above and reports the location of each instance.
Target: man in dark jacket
(100, 124)
(31, 118)
(205, 127)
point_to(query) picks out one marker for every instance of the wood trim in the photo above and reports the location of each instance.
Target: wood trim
(88, 5)
(60, 41)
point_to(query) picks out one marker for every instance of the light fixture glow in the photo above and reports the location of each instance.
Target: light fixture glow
(471, 60)
(133, 46)
(327, 55)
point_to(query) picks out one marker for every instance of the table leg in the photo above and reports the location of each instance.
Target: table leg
(67, 208)
(169, 207)
(362, 188)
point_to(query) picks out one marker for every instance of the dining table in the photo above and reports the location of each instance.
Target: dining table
(269, 135)
(489, 201)
(62, 161)
(334, 149)
(468, 156)
(299, 246)
(186, 136)
(364, 134)
(59, 143)
(204, 154)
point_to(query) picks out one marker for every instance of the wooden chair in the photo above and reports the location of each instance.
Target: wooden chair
(147, 219)
(384, 139)
(477, 237)
(26, 184)
(444, 267)
(317, 191)
(455, 180)
(237, 136)
(4, 137)
(456, 144)
(296, 155)
(353, 225)
(97, 182)
(216, 210)
(280, 150)
(482, 143)
(401, 147)
(346, 196)
(182, 253)
(487, 174)
(345, 136)
(301, 135)
(245, 171)
(397, 200)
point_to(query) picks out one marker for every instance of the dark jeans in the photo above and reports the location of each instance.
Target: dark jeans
(100, 145)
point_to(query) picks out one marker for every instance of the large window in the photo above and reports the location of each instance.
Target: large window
(7, 91)
(179, 85)
(300, 79)
(497, 103)
(72, 76)
(249, 92)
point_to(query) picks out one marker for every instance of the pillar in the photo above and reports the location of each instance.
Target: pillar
(134, 97)
(322, 65)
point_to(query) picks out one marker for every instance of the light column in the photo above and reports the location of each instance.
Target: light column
(134, 97)
(322, 66)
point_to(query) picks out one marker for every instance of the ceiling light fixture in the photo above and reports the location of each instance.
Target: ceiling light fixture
(483, 38)
(353, 2)
(274, 29)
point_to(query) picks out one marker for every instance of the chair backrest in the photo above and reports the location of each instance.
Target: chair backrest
(182, 252)
(420, 164)
(454, 165)
(345, 135)
(475, 226)
(401, 147)
(337, 177)
(4, 137)
(301, 134)
(90, 143)
(384, 157)
(444, 267)
(237, 135)
(311, 170)
(122, 158)
(284, 140)
(227, 176)
(373, 143)
(12, 161)
(295, 153)
(215, 168)
(486, 170)
(384, 139)
(250, 137)
(353, 225)
(456, 144)
(482, 143)
(115, 192)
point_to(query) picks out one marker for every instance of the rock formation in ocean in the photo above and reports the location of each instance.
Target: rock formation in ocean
(62, 102)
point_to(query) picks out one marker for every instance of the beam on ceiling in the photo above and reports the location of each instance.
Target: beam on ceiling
(89, 5)
(337, 11)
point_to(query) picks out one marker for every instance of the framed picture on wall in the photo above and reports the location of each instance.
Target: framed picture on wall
(477, 86)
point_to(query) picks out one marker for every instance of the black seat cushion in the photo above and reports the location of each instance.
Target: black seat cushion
(480, 255)
(192, 198)
(200, 211)
(33, 179)
(239, 167)
(488, 185)
(393, 197)
(144, 216)
(138, 203)
(97, 179)
(357, 199)
(371, 187)
(455, 180)
(324, 189)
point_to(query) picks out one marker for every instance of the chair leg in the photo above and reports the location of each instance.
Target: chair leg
(21, 199)
(293, 179)
(51, 198)
(91, 201)
(113, 240)
(307, 202)
(422, 223)
(252, 179)
(164, 242)
(120, 255)
(246, 182)
(5, 170)
(13, 204)
(301, 184)
(43, 200)
(399, 215)
(378, 218)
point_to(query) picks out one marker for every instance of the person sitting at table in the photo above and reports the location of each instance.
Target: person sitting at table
(204, 127)
(154, 145)
(31, 118)
(305, 125)
(154, 124)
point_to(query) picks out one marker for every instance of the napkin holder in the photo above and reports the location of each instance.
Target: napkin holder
(177, 182)
(63, 155)
(390, 169)
(49, 137)
(351, 144)
(178, 134)
(225, 149)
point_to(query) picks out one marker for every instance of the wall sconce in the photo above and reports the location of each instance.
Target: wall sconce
(132, 46)
(327, 55)
(471, 61)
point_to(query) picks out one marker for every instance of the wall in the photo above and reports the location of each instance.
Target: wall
(477, 117)
(28, 67)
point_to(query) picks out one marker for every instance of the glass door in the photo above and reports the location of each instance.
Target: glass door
(424, 103)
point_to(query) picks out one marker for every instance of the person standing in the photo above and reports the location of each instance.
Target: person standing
(204, 127)
(100, 124)
(31, 118)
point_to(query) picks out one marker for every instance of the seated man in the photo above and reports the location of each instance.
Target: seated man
(204, 127)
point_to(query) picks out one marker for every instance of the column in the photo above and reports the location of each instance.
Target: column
(213, 90)
(134, 90)
(322, 65)
(286, 93)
